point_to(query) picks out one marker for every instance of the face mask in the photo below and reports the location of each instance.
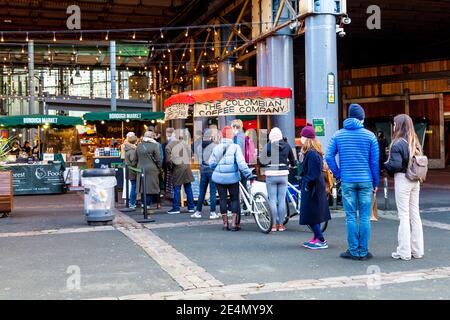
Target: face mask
(303, 140)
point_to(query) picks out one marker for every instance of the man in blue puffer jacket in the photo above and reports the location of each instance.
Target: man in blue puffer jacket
(359, 172)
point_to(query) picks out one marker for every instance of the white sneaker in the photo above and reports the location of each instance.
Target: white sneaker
(196, 215)
(395, 255)
(213, 216)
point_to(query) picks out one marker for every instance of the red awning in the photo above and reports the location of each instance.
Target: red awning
(227, 93)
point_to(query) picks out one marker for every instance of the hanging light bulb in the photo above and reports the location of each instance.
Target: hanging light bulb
(48, 50)
(162, 36)
(2, 39)
(239, 30)
(81, 36)
(73, 50)
(134, 35)
(54, 37)
(107, 36)
(187, 33)
(26, 39)
(215, 32)
(23, 49)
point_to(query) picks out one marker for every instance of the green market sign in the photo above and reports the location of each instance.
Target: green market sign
(40, 120)
(119, 116)
(319, 127)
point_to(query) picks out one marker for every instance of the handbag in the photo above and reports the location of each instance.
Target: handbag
(374, 209)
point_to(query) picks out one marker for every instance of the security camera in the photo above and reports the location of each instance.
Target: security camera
(346, 20)
(340, 31)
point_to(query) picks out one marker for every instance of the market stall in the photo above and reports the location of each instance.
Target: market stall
(42, 170)
(241, 102)
(111, 129)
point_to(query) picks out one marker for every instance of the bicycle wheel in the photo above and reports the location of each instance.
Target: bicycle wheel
(262, 213)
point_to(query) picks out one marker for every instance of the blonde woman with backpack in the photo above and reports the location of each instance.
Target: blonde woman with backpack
(405, 145)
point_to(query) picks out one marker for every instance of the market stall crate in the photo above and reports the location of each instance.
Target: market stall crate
(6, 193)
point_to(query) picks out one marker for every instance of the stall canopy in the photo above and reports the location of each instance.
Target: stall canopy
(36, 120)
(225, 101)
(123, 116)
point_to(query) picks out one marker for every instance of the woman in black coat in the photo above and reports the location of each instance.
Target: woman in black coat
(314, 205)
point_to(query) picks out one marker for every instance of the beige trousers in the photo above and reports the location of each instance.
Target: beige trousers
(410, 232)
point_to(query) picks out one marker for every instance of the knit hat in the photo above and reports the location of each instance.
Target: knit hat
(308, 132)
(227, 132)
(275, 135)
(129, 134)
(132, 139)
(356, 111)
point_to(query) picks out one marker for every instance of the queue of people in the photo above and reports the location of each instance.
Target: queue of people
(224, 163)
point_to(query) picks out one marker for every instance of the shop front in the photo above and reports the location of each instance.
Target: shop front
(41, 169)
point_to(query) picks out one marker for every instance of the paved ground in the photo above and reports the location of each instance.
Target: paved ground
(49, 252)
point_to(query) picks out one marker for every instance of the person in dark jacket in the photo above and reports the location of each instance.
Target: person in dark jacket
(382, 146)
(178, 159)
(314, 206)
(132, 161)
(203, 152)
(27, 148)
(148, 157)
(277, 156)
(359, 173)
(405, 145)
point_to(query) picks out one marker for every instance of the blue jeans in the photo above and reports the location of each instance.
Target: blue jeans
(177, 197)
(205, 179)
(356, 196)
(276, 190)
(133, 193)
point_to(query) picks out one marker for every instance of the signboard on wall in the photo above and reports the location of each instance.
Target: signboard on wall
(319, 127)
(177, 111)
(249, 106)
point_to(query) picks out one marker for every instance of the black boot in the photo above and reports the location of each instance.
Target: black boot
(234, 223)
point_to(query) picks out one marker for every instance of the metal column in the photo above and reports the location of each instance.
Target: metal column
(261, 76)
(280, 72)
(31, 76)
(321, 69)
(200, 124)
(112, 62)
(225, 77)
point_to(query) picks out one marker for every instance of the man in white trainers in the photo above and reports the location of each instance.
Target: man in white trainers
(202, 152)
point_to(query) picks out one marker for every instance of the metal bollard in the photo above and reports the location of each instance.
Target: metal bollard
(127, 187)
(385, 189)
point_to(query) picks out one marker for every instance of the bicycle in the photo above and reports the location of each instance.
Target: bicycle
(293, 197)
(258, 205)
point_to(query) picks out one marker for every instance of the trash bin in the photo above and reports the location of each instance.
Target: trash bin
(99, 194)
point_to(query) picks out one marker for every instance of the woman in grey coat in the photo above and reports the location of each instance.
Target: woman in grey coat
(178, 160)
(149, 159)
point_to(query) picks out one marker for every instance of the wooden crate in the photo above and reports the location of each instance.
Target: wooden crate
(6, 192)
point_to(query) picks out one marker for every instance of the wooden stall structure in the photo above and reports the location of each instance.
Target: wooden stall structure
(421, 90)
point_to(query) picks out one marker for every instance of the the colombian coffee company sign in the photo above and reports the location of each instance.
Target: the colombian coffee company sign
(247, 106)
(40, 120)
(177, 111)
